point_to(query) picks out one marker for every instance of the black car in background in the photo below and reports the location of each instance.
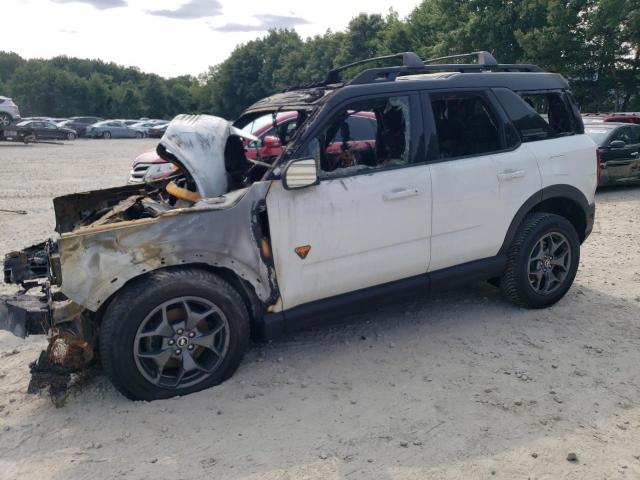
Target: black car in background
(619, 149)
(80, 124)
(31, 130)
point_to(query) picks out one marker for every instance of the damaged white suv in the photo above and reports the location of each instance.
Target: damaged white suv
(415, 176)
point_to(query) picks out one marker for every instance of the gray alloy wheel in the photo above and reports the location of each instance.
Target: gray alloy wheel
(71, 136)
(549, 263)
(106, 135)
(5, 119)
(181, 342)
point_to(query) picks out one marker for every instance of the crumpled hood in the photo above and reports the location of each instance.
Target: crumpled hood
(198, 142)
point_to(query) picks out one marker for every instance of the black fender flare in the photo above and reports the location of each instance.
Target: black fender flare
(552, 191)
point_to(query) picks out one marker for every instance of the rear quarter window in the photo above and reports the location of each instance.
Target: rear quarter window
(539, 115)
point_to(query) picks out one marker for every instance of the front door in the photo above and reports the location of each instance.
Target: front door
(622, 161)
(368, 220)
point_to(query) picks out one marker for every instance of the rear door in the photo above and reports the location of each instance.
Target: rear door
(477, 179)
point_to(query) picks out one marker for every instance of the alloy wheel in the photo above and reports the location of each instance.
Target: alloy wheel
(181, 342)
(549, 263)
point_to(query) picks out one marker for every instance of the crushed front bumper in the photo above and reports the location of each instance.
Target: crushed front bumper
(24, 315)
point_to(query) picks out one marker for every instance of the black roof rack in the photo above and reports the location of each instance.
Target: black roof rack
(413, 64)
(409, 60)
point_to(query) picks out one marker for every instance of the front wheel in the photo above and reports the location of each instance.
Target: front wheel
(71, 136)
(106, 135)
(139, 135)
(542, 261)
(173, 333)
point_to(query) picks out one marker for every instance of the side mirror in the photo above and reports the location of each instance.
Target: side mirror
(617, 144)
(271, 142)
(300, 174)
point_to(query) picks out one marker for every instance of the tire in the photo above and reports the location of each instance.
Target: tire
(106, 135)
(132, 351)
(139, 135)
(71, 136)
(5, 119)
(543, 243)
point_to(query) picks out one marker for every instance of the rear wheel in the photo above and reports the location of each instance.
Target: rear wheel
(542, 261)
(5, 119)
(106, 135)
(172, 333)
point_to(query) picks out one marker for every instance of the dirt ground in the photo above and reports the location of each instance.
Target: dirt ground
(460, 385)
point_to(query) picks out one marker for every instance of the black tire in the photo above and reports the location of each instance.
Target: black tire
(106, 135)
(133, 305)
(139, 135)
(516, 281)
(71, 136)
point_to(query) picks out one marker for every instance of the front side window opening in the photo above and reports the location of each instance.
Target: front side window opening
(365, 136)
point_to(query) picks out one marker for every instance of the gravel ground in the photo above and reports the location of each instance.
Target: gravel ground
(460, 385)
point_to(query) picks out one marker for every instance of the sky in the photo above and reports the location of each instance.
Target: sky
(167, 37)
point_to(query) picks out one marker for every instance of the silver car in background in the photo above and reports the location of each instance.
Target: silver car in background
(112, 129)
(8, 112)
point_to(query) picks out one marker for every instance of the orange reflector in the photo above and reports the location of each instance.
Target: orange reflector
(303, 251)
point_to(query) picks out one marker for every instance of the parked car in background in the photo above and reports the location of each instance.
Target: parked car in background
(610, 117)
(148, 125)
(9, 112)
(619, 150)
(157, 131)
(128, 121)
(80, 124)
(32, 130)
(112, 129)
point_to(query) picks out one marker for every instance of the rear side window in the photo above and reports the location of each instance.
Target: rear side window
(465, 125)
(537, 116)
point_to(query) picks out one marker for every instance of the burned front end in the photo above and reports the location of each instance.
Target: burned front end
(108, 238)
(40, 308)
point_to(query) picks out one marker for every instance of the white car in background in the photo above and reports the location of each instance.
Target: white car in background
(9, 112)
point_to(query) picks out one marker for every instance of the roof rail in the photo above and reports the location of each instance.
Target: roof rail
(409, 60)
(482, 57)
(413, 64)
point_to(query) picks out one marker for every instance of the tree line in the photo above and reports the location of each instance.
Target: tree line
(593, 43)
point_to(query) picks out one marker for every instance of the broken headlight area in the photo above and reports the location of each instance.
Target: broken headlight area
(70, 328)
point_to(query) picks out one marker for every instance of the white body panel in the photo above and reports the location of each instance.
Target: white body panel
(568, 161)
(363, 230)
(518, 179)
(465, 210)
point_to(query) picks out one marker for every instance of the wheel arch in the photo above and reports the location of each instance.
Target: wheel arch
(247, 292)
(564, 200)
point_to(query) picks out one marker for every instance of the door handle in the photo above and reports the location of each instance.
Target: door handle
(511, 174)
(397, 194)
